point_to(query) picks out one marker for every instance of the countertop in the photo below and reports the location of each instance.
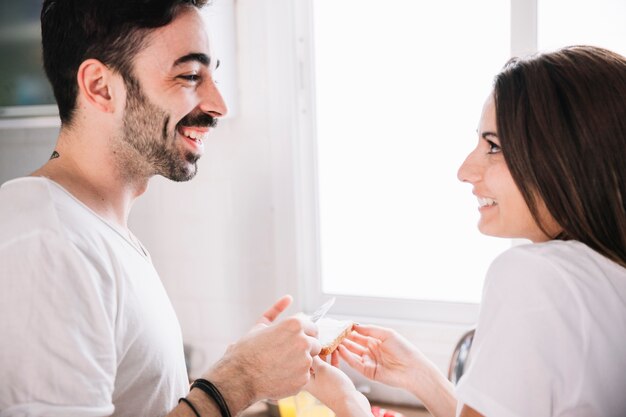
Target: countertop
(260, 410)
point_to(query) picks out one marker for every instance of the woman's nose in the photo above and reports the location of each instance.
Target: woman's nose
(469, 171)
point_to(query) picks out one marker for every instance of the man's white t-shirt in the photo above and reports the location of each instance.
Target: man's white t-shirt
(551, 335)
(86, 328)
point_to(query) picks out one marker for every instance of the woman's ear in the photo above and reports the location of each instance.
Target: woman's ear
(96, 85)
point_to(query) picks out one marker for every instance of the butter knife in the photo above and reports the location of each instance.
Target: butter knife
(322, 310)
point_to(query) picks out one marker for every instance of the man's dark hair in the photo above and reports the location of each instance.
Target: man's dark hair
(111, 31)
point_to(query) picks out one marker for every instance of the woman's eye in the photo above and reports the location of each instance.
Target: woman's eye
(493, 147)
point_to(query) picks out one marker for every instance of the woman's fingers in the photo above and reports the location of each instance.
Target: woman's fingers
(353, 347)
(376, 332)
(361, 364)
(360, 339)
(355, 361)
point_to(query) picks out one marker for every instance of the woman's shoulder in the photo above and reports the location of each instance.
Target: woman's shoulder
(559, 265)
(559, 254)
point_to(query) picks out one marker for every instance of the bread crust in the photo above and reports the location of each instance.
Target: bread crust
(344, 329)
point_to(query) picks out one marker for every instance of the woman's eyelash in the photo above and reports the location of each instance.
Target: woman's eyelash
(493, 147)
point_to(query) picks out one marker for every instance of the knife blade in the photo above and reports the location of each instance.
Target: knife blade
(322, 310)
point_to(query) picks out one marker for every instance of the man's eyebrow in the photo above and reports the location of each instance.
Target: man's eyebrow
(204, 59)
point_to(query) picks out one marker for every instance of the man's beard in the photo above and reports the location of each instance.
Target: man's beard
(146, 131)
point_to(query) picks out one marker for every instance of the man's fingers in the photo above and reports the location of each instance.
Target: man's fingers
(315, 348)
(279, 306)
(309, 328)
(334, 359)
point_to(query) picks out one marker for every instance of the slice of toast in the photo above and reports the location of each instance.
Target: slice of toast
(331, 332)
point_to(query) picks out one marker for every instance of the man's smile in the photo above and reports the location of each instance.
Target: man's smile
(196, 134)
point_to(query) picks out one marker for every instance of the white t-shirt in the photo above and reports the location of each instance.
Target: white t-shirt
(86, 328)
(551, 336)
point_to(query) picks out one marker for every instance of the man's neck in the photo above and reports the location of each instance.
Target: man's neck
(89, 171)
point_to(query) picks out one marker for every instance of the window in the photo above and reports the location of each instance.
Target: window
(398, 89)
(24, 88)
(398, 94)
(598, 22)
(396, 116)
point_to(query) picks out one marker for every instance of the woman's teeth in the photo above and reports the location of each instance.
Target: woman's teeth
(485, 201)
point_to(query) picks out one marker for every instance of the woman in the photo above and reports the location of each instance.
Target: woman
(550, 166)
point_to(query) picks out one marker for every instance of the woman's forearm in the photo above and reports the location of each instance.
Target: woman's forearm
(433, 389)
(354, 406)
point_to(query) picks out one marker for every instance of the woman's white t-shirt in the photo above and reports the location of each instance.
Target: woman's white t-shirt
(86, 327)
(551, 335)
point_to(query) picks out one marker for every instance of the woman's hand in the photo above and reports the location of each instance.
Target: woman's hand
(333, 387)
(382, 355)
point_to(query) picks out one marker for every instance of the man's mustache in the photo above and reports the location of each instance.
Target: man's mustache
(199, 120)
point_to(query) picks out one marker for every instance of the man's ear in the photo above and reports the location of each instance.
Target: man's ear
(96, 84)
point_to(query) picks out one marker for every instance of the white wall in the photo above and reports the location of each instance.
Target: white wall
(24, 150)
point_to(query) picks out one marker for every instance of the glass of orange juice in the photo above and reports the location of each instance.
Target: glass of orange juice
(303, 405)
(309, 406)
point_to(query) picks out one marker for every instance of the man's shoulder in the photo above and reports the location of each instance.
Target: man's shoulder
(35, 207)
(27, 206)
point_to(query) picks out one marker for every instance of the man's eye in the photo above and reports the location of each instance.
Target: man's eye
(191, 77)
(493, 148)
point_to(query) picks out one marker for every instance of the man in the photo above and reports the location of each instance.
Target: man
(86, 326)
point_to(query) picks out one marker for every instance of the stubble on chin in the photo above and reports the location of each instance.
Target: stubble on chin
(145, 146)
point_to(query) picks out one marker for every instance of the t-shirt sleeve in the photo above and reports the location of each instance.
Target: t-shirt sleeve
(526, 341)
(57, 330)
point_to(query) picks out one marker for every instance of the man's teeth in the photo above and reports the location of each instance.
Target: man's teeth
(195, 135)
(485, 201)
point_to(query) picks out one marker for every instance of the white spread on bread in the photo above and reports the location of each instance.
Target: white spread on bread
(331, 332)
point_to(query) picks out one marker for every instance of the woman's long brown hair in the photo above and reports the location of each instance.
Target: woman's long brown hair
(561, 119)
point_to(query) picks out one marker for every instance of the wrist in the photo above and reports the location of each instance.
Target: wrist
(433, 389)
(355, 405)
(229, 379)
(203, 404)
(412, 375)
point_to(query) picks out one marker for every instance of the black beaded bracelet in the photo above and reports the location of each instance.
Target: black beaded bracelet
(186, 401)
(212, 391)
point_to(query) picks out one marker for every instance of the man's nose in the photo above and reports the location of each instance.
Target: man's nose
(212, 101)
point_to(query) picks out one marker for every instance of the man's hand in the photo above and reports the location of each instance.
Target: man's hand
(274, 311)
(272, 361)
